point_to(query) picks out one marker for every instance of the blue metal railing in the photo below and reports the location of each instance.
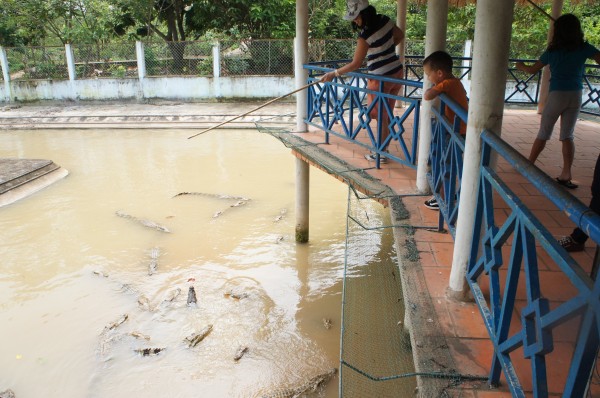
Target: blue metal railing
(446, 160)
(521, 88)
(529, 326)
(342, 102)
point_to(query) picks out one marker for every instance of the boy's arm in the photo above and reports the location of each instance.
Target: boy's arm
(431, 94)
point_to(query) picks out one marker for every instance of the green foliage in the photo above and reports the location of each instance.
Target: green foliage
(205, 67)
(117, 71)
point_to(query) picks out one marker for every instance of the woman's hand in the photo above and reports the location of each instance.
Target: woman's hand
(327, 77)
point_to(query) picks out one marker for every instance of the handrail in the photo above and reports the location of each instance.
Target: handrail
(527, 329)
(343, 101)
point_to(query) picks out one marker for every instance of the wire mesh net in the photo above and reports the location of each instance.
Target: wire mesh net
(257, 57)
(387, 311)
(27, 63)
(182, 58)
(115, 60)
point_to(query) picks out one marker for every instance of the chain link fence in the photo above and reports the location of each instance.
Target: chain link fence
(115, 60)
(257, 57)
(195, 58)
(30, 63)
(182, 58)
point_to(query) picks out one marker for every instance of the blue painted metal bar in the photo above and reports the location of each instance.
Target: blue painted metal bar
(521, 88)
(532, 331)
(339, 108)
(446, 160)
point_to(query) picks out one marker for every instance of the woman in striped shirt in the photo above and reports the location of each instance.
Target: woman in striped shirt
(377, 41)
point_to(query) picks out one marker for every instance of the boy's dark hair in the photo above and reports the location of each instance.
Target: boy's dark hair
(567, 34)
(439, 60)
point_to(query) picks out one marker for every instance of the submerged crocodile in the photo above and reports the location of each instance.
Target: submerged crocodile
(153, 266)
(116, 323)
(7, 394)
(213, 195)
(309, 386)
(196, 338)
(146, 352)
(240, 353)
(146, 223)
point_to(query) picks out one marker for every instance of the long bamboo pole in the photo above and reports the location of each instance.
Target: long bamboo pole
(541, 10)
(255, 109)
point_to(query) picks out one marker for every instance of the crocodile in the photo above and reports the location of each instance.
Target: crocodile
(240, 353)
(196, 338)
(309, 386)
(153, 266)
(146, 223)
(213, 195)
(7, 394)
(116, 323)
(191, 296)
(146, 352)
(282, 214)
(173, 294)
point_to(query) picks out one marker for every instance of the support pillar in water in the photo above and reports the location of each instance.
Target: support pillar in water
(302, 199)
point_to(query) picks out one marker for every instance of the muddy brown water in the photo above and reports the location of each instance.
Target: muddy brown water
(70, 267)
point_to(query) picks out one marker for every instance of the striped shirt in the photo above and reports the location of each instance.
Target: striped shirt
(381, 56)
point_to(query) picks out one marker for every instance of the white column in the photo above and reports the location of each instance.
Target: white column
(300, 58)
(466, 63)
(216, 53)
(401, 22)
(302, 167)
(435, 40)
(141, 60)
(302, 200)
(493, 23)
(5, 73)
(70, 61)
(557, 6)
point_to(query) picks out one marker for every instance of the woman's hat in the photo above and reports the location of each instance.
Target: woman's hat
(354, 7)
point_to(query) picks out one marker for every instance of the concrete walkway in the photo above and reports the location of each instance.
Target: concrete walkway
(459, 323)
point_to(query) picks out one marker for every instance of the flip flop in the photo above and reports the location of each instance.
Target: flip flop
(566, 183)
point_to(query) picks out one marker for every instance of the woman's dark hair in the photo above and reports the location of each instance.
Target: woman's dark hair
(567, 34)
(369, 18)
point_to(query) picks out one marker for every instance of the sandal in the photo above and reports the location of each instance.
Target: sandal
(566, 183)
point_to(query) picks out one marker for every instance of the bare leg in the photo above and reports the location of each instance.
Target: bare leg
(568, 152)
(537, 148)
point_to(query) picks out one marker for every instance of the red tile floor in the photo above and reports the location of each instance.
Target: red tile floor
(462, 323)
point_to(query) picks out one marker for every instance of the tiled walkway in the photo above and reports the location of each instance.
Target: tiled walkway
(461, 322)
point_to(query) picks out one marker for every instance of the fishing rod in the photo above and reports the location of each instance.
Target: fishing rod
(255, 109)
(541, 10)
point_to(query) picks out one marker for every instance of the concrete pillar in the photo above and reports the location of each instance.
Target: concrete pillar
(493, 23)
(5, 73)
(300, 58)
(557, 6)
(401, 22)
(70, 62)
(435, 40)
(141, 60)
(466, 63)
(302, 200)
(216, 53)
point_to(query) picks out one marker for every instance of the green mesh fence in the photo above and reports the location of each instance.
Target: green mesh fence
(386, 310)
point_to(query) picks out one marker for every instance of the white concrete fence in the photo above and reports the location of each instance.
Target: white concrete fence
(142, 87)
